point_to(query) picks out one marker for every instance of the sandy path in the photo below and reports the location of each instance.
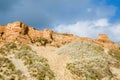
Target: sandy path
(57, 62)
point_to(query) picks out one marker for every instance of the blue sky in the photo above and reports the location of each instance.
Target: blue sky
(86, 18)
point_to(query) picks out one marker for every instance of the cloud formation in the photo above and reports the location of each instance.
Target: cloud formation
(81, 17)
(47, 13)
(91, 28)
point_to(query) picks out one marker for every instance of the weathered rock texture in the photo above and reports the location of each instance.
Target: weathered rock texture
(19, 32)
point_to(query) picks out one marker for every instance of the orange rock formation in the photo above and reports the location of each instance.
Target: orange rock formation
(21, 33)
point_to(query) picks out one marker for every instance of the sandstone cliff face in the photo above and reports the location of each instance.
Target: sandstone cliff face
(2, 29)
(19, 32)
(104, 40)
(15, 32)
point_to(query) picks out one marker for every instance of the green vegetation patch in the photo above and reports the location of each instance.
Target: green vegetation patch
(8, 71)
(89, 61)
(43, 41)
(78, 49)
(25, 47)
(37, 66)
(90, 69)
(7, 48)
(11, 45)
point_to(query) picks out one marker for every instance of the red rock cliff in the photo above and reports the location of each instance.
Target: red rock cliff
(19, 32)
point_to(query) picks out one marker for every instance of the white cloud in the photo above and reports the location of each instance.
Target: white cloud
(91, 28)
(101, 22)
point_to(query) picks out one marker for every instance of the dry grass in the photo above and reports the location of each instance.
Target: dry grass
(90, 62)
(78, 49)
(12, 55)
(75, 61)
(37, 66)
(10, 45)
(8, 70)
(25, 47)
(7, 49)
(115, 53)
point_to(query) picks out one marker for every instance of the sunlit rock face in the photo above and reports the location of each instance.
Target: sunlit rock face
(103, 38)
(19, 32)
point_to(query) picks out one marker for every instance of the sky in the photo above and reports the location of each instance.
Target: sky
(85, 18)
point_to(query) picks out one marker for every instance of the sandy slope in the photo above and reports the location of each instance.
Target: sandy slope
(57, 62)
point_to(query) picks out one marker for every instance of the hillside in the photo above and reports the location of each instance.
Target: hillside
(30, 54)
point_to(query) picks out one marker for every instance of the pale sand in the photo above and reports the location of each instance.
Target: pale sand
(57, 62)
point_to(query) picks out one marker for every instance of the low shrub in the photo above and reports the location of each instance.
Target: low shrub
(8, 70)
(89, 61)
(25, 47)
(43, 41)
(8, 48)
(90, 69)
(78, 49)
(10, 45)
(37, 66)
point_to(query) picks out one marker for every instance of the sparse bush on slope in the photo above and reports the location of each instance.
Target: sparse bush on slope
(10, 45)
(25, 47)
(90, 62)
(43, 41)
(37, 66)
(7, 49)
(8, 70)
(78, 49)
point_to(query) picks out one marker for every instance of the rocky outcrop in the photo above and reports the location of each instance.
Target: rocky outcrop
(15, 32)
(2, 29)
(103, 38)
(19, 32)
(105, 41)
(19, 27)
